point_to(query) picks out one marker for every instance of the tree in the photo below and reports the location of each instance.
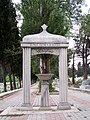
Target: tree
(54, 63)
(9, 35)
(56, 14)
(69, 56)
(0, 74)
(83, 42)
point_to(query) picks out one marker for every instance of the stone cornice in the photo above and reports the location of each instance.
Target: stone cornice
(47, 45)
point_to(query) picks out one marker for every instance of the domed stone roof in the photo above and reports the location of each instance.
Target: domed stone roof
(44, 37)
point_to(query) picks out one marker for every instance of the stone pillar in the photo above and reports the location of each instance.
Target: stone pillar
(44, 93)
(63, 84)
(27, 78)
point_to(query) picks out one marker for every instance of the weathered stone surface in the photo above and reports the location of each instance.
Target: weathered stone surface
(44, 37)
(44, 89)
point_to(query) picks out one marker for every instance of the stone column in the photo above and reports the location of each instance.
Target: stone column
(63, 84)
(44, 93)
(27, 78)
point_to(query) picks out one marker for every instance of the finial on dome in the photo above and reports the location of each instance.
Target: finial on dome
(44, 27)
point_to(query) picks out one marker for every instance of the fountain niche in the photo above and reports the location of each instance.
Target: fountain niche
(44, 77)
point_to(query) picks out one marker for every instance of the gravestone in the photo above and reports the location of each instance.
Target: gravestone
(85, 84)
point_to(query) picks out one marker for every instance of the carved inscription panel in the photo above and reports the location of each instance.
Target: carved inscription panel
(45, 51)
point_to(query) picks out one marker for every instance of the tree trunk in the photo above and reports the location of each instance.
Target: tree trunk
(10, 78)
(83, 62)
(85, 74)
(20, 81)
(4, 76)
(13, 77)
(84, 55)
(44, 64)
(73, 71)
(14, 82)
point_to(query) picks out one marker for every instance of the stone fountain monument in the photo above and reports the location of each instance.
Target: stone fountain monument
(44, 77)
(45, 43)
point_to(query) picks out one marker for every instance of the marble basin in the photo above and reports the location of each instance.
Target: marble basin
(44, 76)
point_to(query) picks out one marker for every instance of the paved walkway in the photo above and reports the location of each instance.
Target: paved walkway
(80, 107)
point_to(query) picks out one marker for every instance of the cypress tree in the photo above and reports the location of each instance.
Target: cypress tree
(9, 36)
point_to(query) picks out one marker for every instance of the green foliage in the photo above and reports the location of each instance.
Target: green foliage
(70, 72)
(35, 64)
(51, 88)
(54, 65)
(30, 11)
(9, 34)
(8, 80)
(85, 25)
(56, 14)
(69, 56)
(58, 22)
(79, 71)
(8, 26)
(9, 37)
(88, 70)
(85, 30)
(83, 42)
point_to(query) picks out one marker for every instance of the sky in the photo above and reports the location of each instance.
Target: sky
(16, 1)
(86, 7)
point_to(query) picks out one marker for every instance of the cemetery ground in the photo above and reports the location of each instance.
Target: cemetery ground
(10, 106)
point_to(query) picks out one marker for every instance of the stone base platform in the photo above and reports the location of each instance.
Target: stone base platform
(36, 110)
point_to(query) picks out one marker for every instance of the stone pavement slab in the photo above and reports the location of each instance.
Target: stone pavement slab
(72, 114)
(80, 107)
(16, 99)
(36, 110)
